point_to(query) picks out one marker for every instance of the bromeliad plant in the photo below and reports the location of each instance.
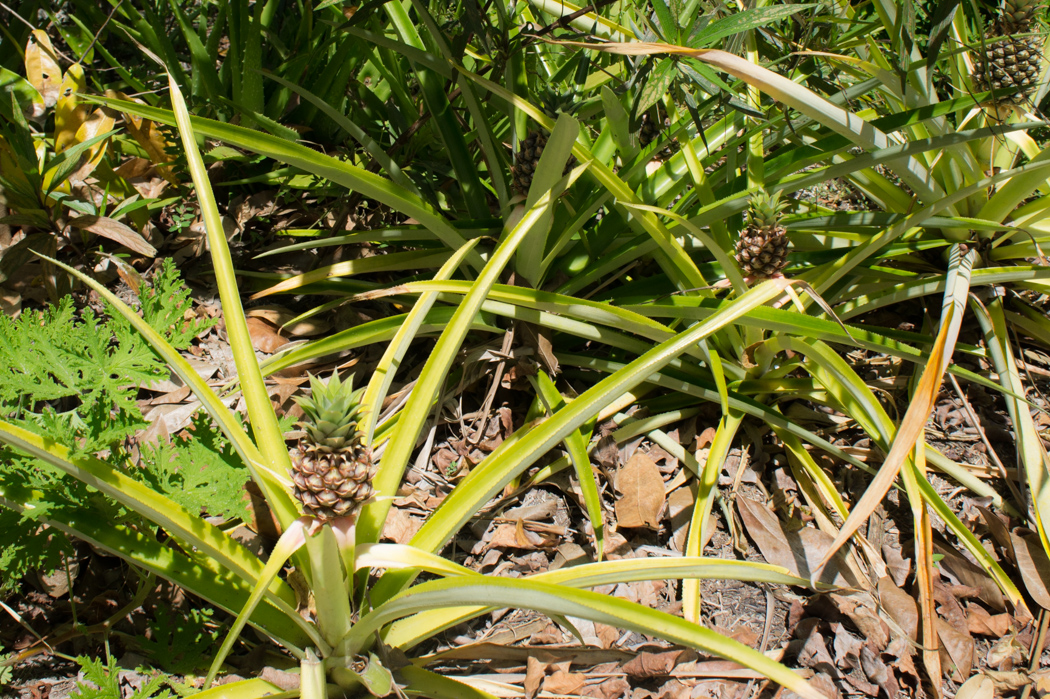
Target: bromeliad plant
(682, 216)
(342, 641)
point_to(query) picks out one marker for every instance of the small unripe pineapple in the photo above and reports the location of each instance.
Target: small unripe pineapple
(1012, 61)
(332, 469)
(528, 158)
(761, 250)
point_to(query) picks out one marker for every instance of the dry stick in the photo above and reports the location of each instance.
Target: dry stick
(508, 342)
(24, 20)
(984, 438)
(94, 39)
(567, 19)
(1025, 365)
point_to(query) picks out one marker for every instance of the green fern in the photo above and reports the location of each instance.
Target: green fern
(199, 470)
(103, 682)
(75, 378)
(181, 641)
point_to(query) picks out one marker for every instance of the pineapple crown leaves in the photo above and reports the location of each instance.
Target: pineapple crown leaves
(1009, 16)
(554, 102)
(1018, 13)
(332, 410)
(765, 209)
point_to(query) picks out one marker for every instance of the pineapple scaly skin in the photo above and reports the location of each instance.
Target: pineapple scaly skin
(1013, 61)
(529, 153)
(650, 130)
(528, 159)
(762, 247)
(332, 469)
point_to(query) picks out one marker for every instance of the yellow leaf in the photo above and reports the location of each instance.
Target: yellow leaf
(69, 112)
(100, 121)
(16, 197)
(42, 69)
(149, 136)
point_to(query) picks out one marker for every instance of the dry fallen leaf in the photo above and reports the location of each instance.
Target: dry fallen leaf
(900, 607)
(534, 673)
(977, 687)
(798, 551)
(646, 665)
(1033, 564)
(971, 574)
(10, 303)
(115, 231)
(959, 648)
(641, 489)
(814, 654)
(897, 565)
(999, 531)
(280, 316)
(265, 337)
(516, 536)
(878, 672)
(979, 621)
(860, 608)
(1006, 654)
(400, 526)
(562, 682)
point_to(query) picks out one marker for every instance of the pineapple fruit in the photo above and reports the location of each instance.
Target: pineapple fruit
(650, 130)
(528, 157)
(1012, 61)
(761, 250)
(531, 148)
(332, 469)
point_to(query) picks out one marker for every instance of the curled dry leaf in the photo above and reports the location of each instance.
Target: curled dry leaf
(878, 672)
(980, 622)
(641, 487)
(999, 531)
(562, 682)
(860, 608)
(400, 526)
(1008, 653)
(534, 674)
(646, 665)
(814, 654)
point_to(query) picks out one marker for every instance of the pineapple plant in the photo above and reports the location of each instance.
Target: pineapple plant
(1015, 60)
(332, 468)
(761, 249)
